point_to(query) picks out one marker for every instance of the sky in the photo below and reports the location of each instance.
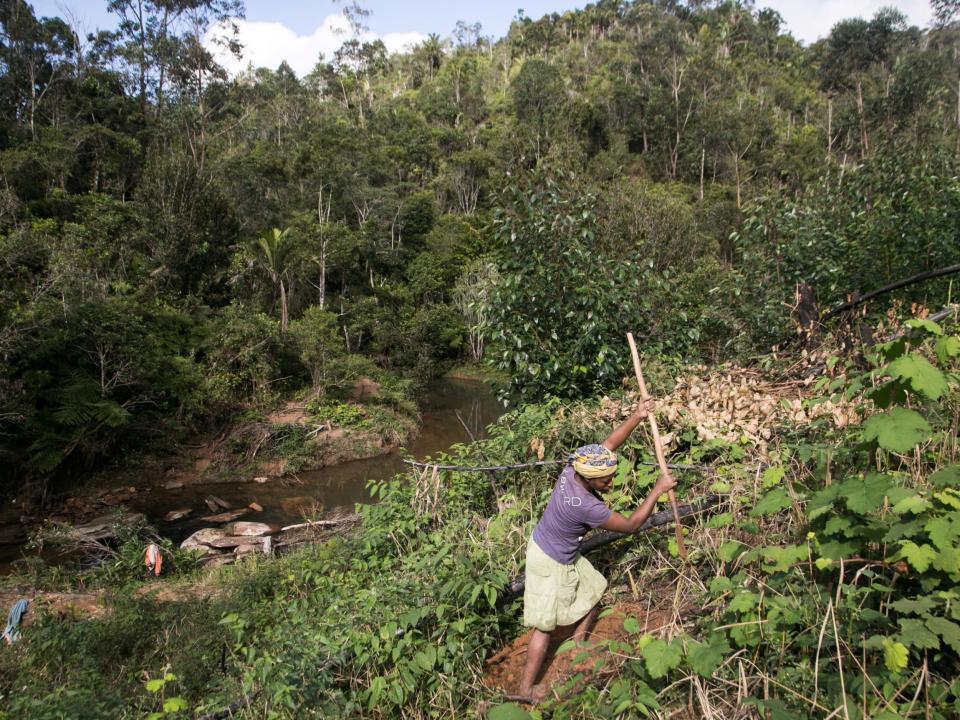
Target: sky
(298, 31)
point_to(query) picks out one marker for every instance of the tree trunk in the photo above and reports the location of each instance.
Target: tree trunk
(864, 139)
(703, 159)
(283, 307)
(829, 127)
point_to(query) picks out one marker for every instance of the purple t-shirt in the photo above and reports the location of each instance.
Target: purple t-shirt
(572, 510)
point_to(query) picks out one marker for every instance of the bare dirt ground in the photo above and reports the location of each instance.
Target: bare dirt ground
(503, 670)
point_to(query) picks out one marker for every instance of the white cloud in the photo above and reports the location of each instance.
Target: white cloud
(267, 44)
(809, 20)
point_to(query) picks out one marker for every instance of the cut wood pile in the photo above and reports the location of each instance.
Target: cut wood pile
(733, 404)
(223, 545)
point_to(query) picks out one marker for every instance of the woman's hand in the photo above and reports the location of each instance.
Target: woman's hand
(645, 408)
(665, 483)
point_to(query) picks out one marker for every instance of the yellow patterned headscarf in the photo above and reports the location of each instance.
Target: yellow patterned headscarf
(593, 461)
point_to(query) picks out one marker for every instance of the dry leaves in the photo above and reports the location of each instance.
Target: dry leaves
(734, 403)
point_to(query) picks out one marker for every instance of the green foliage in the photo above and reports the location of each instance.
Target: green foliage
(570, 289)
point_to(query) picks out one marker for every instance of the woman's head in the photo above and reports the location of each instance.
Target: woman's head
(595, 464)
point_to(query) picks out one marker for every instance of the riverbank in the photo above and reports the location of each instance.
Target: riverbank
(297, 461)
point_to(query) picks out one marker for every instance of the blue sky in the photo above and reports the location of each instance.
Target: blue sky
(425, 16)
(298, 32)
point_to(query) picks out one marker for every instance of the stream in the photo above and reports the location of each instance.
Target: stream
(316, 493)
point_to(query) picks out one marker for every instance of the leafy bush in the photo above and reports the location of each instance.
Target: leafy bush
(575, 278)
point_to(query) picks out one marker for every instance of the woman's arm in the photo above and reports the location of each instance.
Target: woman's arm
(619, 436)
(618, 523)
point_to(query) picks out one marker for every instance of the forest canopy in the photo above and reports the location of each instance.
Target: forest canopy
(177, 244)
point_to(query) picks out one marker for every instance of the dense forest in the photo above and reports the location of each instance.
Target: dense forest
(179, 248)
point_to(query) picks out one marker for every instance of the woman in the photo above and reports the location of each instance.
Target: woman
(562, 588)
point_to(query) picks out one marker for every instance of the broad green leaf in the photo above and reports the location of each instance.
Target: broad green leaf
(895, 655)
(174, 705)
(914, 633)
(948, 630)
(745, 601)
(948, 560)
(705, 658)
(774, 501)
(923, 324)
(730, 549)
(912, 504)
(949, 497)
(898, 429)
(720, 520)
(156, 685)
(720, 584)
(947, 347)
(941, 531)
(864, 496)
(837, 525)
(773, 475)
(919, 556)
(919, 605)
(508, 711)
(923, 377)
(822, 502)
(632, 626)
(780, 559)
(946, 477)
(662, 657)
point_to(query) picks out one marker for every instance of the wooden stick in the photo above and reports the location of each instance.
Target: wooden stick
(657, 445)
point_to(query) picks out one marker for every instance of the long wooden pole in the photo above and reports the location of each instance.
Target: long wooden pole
(657, 445)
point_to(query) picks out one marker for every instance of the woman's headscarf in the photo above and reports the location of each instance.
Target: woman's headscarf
(593, 461)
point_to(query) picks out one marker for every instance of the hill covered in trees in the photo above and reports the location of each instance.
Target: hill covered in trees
(177, 244)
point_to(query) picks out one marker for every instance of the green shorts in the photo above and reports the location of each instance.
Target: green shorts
(557, 594)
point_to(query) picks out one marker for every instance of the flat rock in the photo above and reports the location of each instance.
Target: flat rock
(176, 514)
(218, 560)
(256, 507)
(249, 529)
(103, 527)
(232, 541)
(250, 549)
(173, 485)
(225, 517)
(261, 479)
(201, 539)
(215, 503)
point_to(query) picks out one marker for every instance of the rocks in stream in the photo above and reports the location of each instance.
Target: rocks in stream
(250, 529)
(216, 504)
(224, 517)
(175, 515)
(221, 545)
(201, 539)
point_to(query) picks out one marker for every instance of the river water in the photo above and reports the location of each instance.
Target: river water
(320, 492)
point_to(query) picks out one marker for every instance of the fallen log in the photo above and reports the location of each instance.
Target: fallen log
(912, 280)
(321, 523)
(598, 540)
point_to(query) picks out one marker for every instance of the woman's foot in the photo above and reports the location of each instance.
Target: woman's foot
(530, 695)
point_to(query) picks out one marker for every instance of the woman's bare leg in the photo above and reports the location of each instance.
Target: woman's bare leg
(583, 627)
(536, 652)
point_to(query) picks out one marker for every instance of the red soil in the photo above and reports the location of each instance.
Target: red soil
(504, 669)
